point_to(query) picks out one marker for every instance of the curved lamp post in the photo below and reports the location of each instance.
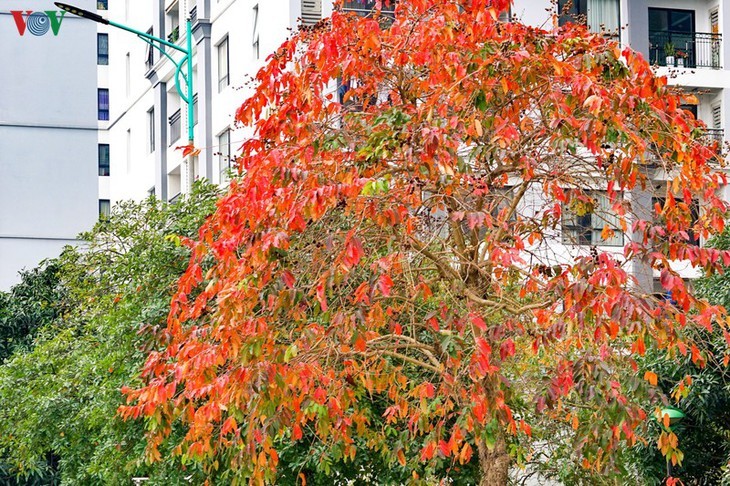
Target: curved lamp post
(159, 44)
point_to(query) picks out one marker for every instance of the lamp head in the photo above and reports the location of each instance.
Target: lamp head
(82, 13)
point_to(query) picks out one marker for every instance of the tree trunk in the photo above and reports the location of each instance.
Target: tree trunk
(494, 464)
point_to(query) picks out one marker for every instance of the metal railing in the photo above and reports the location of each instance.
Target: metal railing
(691, 49)
(364, 8)
(715, 135)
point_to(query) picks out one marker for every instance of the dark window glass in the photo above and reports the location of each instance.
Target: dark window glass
(104, 159)
(102, 49)
(103, 104)
(102, 4)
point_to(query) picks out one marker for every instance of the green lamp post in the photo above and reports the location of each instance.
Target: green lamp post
(183, 67)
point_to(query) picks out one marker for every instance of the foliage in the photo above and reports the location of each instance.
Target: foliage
(399, 246)
(60, 396)
(701, 392)
(37, 300)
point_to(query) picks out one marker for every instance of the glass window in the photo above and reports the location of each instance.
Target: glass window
(102, 49)
(150, 55)
(598, 15)
(103, 100)
(151, 128)
(255, 42)
(175, 127)
(104, 159)
(224, 153)
(105, 208)
(223, 77)
(102, 4)
(588, 219)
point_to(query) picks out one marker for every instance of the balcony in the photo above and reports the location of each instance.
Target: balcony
(715, 135)
(365, 8)
(685, 49)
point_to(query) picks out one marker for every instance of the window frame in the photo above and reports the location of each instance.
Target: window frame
(224, 80)
(224, 153)
(580, 232)
(104, 168)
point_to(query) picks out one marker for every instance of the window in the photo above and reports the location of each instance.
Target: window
(195, 109)
(588, 219)
(102, 49)
(173, 23)
(128, 75)
(151, 128)
(694, 215)
(105, 208)
(365, 8)
(224, 153)
(175, 127)
(223, 78)
(103, 104)
(255, 42)
(102, 4)
(671, 35)
(598, 15)
(104, 159)
(150, 57)
(311, 12)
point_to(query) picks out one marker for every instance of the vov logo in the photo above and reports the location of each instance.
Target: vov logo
(38, 23)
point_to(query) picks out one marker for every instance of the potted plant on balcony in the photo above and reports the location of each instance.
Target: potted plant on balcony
(669, 53)
(681, 56)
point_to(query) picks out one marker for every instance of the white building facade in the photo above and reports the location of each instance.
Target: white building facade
(49, 132)
(232, 39)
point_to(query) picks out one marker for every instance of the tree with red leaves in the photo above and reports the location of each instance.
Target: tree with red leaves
(452, 216)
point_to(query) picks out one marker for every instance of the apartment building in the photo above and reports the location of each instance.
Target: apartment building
(148, 120)
(232, 38)
(49, 132)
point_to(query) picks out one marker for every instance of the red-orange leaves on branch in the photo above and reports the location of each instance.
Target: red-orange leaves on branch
(448, 218)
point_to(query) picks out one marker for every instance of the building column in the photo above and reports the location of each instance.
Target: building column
(201, 36)
(160, 122)
(641, 208)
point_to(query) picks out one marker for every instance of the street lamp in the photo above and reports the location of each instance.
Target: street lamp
(159, 44)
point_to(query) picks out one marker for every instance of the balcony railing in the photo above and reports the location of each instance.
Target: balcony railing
(365, 8)
(715, 134)
(691, 49)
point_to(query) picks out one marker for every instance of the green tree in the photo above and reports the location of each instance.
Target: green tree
(94, 313)
(701, 391)
(34, 302)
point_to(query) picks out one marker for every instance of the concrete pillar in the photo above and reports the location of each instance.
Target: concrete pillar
(202, 39)
(160, 122)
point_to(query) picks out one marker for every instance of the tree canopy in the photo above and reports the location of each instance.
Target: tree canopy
(446, 215)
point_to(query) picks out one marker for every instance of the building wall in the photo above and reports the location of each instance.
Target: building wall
(48, 136)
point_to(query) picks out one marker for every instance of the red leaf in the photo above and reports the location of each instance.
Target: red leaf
(477, 320)
(385, 284)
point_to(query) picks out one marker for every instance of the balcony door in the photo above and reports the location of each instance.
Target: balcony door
(672, 33)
